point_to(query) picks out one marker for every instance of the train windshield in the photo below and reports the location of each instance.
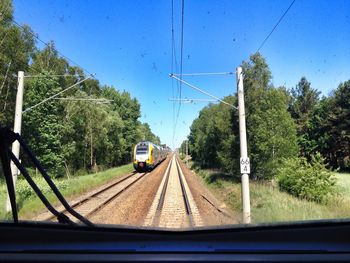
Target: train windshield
(175, 114)
(142, 149)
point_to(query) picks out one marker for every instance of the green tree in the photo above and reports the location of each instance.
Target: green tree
(16, 49)
(271, 132)
(129, 111)
(211, 138)
(274, 137)
(146, 134)
(270, 129)
(92, 131)
(338, 124)
(303, 101)
(71, 134)
(329, 126)
(43, 126)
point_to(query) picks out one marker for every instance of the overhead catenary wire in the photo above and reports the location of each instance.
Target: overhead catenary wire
(52, 76)
(174, 75)
(49, 46)
(278, 22)
(182, 42)
(192, 100)
(172, 63)
(53, 96)
(84, 99)
(181, 63)
(202, 91)
(204, 74)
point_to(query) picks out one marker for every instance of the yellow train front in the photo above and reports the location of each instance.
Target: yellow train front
(147, 155)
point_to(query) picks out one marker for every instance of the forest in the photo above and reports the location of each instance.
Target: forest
(287, 130)
(91, 127)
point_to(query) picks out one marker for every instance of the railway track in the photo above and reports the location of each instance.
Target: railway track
(173, 206)
(93, 202)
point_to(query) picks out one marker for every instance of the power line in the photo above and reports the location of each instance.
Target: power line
(182, 41)
(192, 100)
(273, 29)
(53, 96)
(101, 100)
(204, 74)
(181, 62)
(172, 63)
(48, 45)
(47, 76)
(202, 91)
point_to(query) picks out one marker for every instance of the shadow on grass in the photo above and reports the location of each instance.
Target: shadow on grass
(213, 176)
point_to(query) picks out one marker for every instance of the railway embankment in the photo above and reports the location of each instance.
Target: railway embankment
(73, 187)
(269, 203)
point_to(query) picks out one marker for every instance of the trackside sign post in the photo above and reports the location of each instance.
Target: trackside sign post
(245, 165)
(244, 160)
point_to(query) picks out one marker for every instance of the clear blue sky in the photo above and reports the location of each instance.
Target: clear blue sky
(128, 45)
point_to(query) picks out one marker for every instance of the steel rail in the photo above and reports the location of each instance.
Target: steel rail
(184, 195)
(89, 197)
(114, 196)
(162, 196)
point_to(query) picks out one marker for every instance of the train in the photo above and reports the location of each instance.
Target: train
(148, 155)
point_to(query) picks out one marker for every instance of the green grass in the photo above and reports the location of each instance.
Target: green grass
(73, 187)
(269, 204)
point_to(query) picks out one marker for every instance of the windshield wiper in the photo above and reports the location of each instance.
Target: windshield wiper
(7, 137)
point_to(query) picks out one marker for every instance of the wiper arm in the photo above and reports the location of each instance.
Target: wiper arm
(62, 218)
(5, 160)
(9, 137)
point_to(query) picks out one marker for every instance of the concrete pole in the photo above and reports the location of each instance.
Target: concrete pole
(244, 161)
(187, 152)
(17, 129)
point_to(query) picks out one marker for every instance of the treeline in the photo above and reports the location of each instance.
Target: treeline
(282, 124)
(88, 127)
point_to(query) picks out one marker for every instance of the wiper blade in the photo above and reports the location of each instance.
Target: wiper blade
(62, 218)
(5, 160)
(8, 137)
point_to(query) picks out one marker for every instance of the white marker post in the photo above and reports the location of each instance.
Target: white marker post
(187, 152)
(244, 160)
(17, 129)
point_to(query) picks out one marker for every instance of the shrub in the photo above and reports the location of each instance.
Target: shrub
(24, 191)
(182, 156)
(311, 181)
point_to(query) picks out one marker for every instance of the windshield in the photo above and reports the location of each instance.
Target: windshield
(141, 149)
(176, 114)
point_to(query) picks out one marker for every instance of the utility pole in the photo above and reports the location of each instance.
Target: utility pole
(244, 160)
(187, 152)
(17, 129)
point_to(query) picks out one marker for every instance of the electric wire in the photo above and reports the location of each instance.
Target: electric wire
(273, 29)
(53, 96)
(181, 64)
(46, 76)
(182, 43)
(172, 64)
(204, 74)
(202, 91)
(49, 46)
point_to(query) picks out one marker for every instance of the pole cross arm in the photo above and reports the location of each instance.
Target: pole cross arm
(53, 96)
(202, 91)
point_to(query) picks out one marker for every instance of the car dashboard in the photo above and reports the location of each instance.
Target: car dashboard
(313, 241)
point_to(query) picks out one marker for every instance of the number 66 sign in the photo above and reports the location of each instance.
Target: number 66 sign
(245, 165)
